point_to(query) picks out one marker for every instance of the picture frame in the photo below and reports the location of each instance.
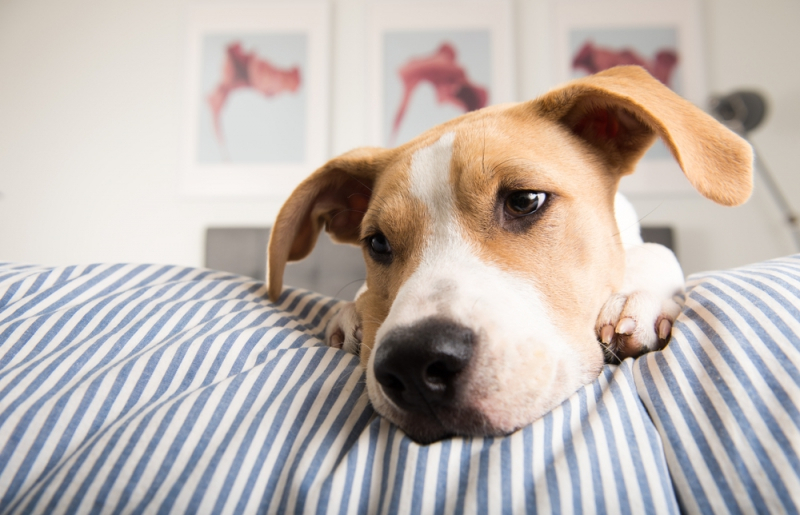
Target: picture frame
(256, 121)
(432, 61)
(664, 37)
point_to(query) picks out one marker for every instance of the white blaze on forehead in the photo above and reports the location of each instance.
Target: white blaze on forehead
(430, 176)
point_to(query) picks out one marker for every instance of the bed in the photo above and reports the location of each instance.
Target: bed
(161, 389)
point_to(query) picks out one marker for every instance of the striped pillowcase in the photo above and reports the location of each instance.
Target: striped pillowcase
(161, 388)
(725, 393)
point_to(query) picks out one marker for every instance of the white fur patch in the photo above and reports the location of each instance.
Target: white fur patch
(627, 222)
(430, 176)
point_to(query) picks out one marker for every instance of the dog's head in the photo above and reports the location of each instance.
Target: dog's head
(491, 245)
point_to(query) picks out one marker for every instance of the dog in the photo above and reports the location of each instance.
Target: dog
(501, 263)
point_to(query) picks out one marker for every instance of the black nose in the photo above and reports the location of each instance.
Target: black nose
(420, 366)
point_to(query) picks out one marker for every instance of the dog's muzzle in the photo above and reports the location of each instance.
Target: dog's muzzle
(421, 368)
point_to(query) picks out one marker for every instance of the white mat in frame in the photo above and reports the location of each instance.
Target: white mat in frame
(272, 133)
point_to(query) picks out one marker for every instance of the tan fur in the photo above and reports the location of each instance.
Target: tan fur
(575, 143)
(334, 197)
(716, 161)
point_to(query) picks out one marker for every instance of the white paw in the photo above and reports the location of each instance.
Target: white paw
(344, 330)
(632, 324)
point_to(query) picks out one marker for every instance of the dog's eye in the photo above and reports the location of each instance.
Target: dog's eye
(521, 203)
(379, 247)
(379, 244)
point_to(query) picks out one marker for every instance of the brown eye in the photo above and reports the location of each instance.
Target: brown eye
(522, 203)
(379, 244)
(379, 248)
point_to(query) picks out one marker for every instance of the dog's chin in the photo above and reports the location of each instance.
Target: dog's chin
(427, 429)
(457, 421)
(481, 417)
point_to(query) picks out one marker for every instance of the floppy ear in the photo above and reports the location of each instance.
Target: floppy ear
(620, 112)
(336, 197)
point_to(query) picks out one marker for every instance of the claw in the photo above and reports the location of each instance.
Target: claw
(626, 326)
(337, 340)
(664, 328)
(606, 334)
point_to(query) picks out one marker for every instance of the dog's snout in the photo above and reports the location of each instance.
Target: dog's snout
(420, 367)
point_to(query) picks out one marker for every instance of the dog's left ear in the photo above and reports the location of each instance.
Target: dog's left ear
(622, 110)
(334, 197)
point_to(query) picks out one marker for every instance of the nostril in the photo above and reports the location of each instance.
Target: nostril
(438, 374)
(391, 382)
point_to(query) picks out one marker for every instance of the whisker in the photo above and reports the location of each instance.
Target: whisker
(358, 194)
(501, 163)
(608, 350)
(361, 183)
(621, 230)
(475, 304)
(483, 152)
(348, 284)
(347, 211)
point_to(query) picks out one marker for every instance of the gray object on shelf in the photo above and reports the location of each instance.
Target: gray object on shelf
(240, 250)
(331, 269)
(662, 235)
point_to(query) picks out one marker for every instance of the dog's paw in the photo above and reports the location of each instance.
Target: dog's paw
(344, 330)
(630, 325)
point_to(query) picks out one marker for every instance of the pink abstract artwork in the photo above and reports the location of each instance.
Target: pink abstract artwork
(247, 70)
(448, 78)
(593, 59)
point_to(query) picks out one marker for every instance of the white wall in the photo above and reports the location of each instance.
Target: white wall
(91, 120)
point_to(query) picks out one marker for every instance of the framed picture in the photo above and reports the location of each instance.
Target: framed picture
(430, 62)
(256, 93)
(661, 36)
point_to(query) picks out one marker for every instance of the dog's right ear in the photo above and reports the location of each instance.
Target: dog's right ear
(336, 197)
(619, 113)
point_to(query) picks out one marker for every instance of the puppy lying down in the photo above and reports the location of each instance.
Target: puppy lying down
(501, 264)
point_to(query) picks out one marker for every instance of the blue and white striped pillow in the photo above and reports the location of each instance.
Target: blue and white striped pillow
(725, 392)
(147, 388)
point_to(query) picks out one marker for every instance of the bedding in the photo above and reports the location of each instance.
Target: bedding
(156, 389)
